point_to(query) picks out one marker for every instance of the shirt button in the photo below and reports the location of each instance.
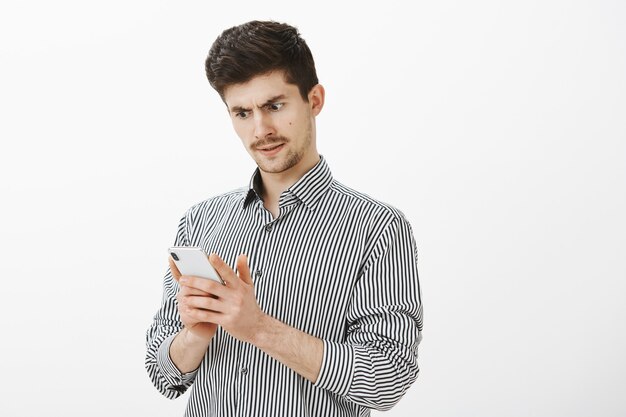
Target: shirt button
(268, 227)
(244, 371)
(258, 273)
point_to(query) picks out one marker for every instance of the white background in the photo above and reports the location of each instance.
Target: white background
(498, 128)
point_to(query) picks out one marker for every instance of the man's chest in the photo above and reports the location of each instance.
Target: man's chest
(303, 264)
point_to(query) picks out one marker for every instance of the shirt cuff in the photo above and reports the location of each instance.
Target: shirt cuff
(170, 372)
(337, 369)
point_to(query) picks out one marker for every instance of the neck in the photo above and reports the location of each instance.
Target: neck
(275, 183)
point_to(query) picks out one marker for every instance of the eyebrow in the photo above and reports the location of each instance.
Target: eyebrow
(237, 109)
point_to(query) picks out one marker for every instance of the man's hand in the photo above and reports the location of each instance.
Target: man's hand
(199, 329)
(232, 306)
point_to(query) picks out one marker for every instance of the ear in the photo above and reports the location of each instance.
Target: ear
(316, 99)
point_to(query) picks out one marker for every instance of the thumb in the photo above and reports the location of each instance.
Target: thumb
(243, 270)
(175, 272)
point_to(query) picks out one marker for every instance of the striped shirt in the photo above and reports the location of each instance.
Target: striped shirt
(335, 264)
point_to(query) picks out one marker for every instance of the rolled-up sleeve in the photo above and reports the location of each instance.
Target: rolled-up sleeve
(377, 362)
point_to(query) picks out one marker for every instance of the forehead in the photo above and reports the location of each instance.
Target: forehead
(258, 90)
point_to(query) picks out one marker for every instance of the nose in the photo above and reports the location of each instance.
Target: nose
(263, 126)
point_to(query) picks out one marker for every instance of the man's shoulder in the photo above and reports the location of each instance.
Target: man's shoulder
(365, 203)
(227, 199)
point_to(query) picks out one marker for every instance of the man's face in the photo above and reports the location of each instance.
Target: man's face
(273, 121)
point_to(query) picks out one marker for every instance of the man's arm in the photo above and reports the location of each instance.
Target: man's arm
(377, 362)
(292, 347)
(187, 351)
(167, 330)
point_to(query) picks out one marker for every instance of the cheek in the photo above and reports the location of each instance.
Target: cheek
(292, 123)
(241, 129)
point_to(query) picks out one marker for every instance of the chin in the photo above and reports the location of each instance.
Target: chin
(279, 164)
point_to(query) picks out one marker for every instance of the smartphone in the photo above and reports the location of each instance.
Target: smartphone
(194, 261)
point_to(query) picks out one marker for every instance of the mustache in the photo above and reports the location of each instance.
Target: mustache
(270, 141)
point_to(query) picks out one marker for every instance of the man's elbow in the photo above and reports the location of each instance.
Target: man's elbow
(384, 393)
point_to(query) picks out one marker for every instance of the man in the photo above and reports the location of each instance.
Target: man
(320, 313)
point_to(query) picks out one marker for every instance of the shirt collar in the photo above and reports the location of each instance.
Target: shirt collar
(307, 189)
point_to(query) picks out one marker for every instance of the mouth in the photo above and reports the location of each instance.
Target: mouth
(270, 150)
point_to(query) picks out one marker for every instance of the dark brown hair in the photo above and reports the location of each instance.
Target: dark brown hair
(255, 48)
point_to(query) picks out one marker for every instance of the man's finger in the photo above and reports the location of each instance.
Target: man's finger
(221, 267)
(186, 290)
(204, 285)
(243, 269)
(175, 272)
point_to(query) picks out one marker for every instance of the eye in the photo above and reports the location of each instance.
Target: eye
(275, 106)
(242, 114)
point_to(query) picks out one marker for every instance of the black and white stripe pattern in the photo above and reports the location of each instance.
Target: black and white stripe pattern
(337, 265)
